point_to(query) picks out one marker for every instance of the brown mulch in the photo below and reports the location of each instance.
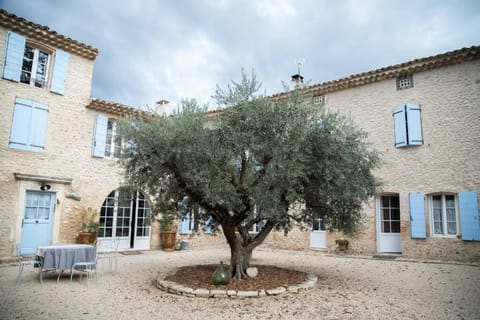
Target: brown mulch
(269, 277)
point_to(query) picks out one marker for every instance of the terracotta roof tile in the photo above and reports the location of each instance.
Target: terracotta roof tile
(115, 108)
(413, 66)
(43, 34)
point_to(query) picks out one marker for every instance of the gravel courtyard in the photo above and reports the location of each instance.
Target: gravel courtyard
(347, 288)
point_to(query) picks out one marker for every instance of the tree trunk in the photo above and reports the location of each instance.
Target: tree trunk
(239, 261)
(241, 248)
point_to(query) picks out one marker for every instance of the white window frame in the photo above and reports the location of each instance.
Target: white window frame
(444, 234)
(112, 149)
(35, 62)
(318, 99)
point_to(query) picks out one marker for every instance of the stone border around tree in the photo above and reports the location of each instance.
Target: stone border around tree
(178, 289)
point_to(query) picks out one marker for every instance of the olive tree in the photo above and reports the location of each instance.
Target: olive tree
(268, 161)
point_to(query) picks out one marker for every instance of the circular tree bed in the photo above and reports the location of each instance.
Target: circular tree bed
(268, 277)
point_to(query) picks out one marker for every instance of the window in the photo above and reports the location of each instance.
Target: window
(407, 125)
(34, 67)
(443, 215)
(445, 212)
(319, 99)
(404, 82)
(390, 214)
(28, 125)
(29, 64)
(106, 144)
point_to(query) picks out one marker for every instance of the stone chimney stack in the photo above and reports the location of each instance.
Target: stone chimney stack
(161, 107)
(297, 81)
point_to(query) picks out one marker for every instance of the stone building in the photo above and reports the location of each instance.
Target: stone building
(57, 145)
(58, 151)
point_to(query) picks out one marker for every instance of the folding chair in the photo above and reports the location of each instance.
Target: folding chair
(26, 261)
(87, 267)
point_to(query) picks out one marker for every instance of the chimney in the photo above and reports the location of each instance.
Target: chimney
(297, 81)
(161, 107)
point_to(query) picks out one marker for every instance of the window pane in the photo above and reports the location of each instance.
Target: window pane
(395, 226)
(385, 202)
(452, 228)
(395, 214)
(386, 227)
(386, 214)
(438, 228)
(437, 214)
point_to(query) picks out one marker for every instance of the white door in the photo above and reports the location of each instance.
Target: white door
(318, 236)
(388, 224)
(125, 217)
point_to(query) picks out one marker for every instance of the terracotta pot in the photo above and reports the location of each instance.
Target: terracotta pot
(86, 237)
(167, 239)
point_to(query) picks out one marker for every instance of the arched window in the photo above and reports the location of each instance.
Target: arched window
(125, 215)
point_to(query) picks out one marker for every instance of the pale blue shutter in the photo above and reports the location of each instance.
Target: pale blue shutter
(38, 126)
(100, 136)
(400, 126)
(468, 205)
(184, 227)
(417, 215)
(22, 115)
(60, 72)
(414, 125)
(15, 48)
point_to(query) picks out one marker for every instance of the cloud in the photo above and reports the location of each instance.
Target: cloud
(151, 50)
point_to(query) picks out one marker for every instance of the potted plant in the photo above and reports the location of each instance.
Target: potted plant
(168, 234)
(90, 226)
(342, 244)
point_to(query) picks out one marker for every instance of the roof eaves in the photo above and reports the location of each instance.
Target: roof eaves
(43, 34)
(117, 109)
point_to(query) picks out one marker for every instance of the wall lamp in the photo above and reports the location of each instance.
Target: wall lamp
(45, 186)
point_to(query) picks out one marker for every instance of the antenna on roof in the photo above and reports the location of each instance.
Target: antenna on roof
(297, 79)
(299, 62)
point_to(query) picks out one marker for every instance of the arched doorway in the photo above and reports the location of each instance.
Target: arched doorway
(125, 216)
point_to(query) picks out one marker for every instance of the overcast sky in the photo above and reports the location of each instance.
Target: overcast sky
(159, 49)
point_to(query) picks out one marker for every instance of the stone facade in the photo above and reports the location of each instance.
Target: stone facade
(446, 87)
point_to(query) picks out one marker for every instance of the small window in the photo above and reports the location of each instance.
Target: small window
(443, 215)
(113, 146)
(319, 99)
(26, 63)
(106, 143)
(35, 67)
(404, 82)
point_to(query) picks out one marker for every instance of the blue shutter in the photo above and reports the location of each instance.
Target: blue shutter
(468, 205)
(22, 115)
(414, 123)
(15, 48)
(417, 215)
(184, 227)
(400, 127)
(38, 126)
(100, 135)
(60, 72)
(28, 125)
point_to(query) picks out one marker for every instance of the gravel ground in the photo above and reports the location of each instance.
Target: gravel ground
(347, 288)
